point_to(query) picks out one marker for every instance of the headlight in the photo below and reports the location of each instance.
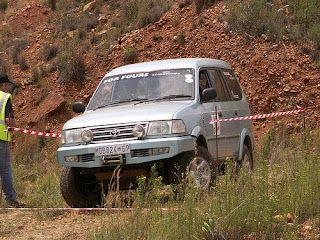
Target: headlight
(166, 127)
(86, 135)
(72, 136)
(178, 126)
(159, 128)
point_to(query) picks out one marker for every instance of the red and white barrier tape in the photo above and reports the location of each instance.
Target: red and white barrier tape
(34, 132)
(88, 209)
(259, 116)
(254, 117)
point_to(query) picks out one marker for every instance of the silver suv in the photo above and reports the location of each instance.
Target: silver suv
(160, 113)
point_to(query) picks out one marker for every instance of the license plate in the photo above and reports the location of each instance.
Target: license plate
(112, 150)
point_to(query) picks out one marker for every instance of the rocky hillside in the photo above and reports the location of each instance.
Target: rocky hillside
(276, 76)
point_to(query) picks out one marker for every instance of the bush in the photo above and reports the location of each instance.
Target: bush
(53, 4)
(71, 67)
(3, 65)
(49, 52)
(203, 4)
(257, 17)
(22, 62)
(3, 5)
(314, 33)
(181, 39)
(143, 12)
(130, 55)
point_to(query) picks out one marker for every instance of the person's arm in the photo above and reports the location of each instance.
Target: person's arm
(11, 122)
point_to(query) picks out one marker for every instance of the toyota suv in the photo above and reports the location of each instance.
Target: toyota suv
(168, 113)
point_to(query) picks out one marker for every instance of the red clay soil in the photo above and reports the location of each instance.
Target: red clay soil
(276, 76)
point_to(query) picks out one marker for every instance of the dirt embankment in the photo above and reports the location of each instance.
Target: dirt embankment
(275, 76)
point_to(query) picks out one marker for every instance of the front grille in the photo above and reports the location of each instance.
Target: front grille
(87, 157)
(140, 153)
(114, 132)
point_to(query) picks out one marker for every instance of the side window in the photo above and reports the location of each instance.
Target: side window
(203, 82)
(233, 84)
(217, 84)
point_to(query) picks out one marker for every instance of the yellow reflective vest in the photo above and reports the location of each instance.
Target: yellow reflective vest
(5, 136)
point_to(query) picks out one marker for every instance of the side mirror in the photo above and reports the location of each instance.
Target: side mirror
(209, 94)
(78, 107)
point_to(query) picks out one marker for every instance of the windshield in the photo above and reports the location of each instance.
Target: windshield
(177, 84)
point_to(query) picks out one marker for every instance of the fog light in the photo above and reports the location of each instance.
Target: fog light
(138, 131)
(86, 135)
(158, 151)
(73, 158)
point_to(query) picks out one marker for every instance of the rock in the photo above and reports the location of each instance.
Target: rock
(51, 104)
(71, 34)
(103, 19)
(102, 32)
(89, 7)
(289, 218)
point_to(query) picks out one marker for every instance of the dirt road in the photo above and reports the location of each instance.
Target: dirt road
(50, 224)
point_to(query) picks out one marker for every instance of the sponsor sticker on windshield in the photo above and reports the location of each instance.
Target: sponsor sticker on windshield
(188, 78)
(126, 76)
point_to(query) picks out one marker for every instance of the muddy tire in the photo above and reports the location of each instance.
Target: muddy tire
(198, 166)
(79, 190)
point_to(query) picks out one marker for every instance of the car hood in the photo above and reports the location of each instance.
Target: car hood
(128, 113)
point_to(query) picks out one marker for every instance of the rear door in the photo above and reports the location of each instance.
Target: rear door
(225, 111)
(216, 142)
(240, 108)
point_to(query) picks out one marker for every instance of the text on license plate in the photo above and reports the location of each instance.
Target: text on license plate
(112, 150)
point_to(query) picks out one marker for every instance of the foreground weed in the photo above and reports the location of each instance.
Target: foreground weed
(268, 203)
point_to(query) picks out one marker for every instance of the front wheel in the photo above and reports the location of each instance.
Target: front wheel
(79, 190)
(197, 166)
(246, 163)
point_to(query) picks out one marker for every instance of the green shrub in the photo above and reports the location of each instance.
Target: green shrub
(3, 65)
(130, 55)
(22, 62)
(314, 33)
(53, 4)
(49, 52)
(71, 67)
(257, 17)
(181, 38)
(15, 55)
(203, 4)
(306, 13)
(185, 3)
(142, 12)
(3, 5)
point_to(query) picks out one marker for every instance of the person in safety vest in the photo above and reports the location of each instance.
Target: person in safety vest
(6, 119)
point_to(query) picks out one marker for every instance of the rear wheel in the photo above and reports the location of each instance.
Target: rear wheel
(79, 190)
(199, 167)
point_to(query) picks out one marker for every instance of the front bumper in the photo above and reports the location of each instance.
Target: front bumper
(139, 152)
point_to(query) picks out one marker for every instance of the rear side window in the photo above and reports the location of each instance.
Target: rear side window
(233, 84)
(217, 84)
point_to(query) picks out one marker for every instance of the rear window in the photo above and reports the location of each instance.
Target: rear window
(233, 84)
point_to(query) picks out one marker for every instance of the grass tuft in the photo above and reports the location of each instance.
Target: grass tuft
(3, 5)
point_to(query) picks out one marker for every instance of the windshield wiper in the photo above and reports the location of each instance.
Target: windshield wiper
(173, 96)
(123, 101)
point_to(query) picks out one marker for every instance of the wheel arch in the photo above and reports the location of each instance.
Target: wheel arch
(199, 134)
(245, 140)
